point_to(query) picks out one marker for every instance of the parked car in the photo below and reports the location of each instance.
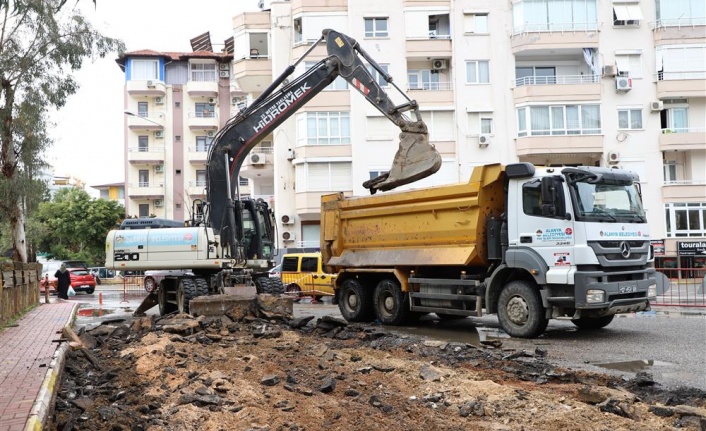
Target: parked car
(102, 273)
(81, 279)
(153, 278)
(276, 272)
(302, 275)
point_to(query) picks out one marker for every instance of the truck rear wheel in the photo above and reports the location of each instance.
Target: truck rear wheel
(520, 310)
(165, 307)
(590, 323)
(355, 302)
(186, 291)
(390, 304)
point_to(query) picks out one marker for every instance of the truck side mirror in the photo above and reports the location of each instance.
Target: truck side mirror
(548, 197)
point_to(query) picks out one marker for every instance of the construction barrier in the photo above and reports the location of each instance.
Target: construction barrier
(19, 288)
(683, 287)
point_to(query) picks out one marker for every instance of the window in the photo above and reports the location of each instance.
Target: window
(376, 27)
(377, 76)
(440, 125)
(142, 110)
(145, 69)
(627, 14)
(379, 128)
(681, 13)
(480, 123)
(629, 65)
(310, 264)
(554, 15)
(558, 120)
(681, 61)
(630, 119)
(200, 178)
(338, 84)
(535, 75)
(324, 177)
(143, 144)
(144, 178)
(475, 23)
(205, 110)
(685, 219)
(423, 79)
(243, 181)
(677, 120)
(486, 125)
(670, 171)
(477, 72)
(143, 210)
(203, 143)
(203, 72)
(323, 128)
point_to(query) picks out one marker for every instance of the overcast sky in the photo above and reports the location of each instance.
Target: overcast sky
(89, 129)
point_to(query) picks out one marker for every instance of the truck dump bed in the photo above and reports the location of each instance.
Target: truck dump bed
(442, 225)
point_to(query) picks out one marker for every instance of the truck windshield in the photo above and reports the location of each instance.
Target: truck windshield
(609, 201)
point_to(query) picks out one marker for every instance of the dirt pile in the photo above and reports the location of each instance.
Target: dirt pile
(182, 373)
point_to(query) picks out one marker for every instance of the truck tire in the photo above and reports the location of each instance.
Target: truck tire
(201, 287)
(186, 291)
(591, 323)
(273, 286)
(391, 306)
(520, 310)
(355, 302)
(165, 307)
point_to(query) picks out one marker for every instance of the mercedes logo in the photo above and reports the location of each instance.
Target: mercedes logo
(625, 249)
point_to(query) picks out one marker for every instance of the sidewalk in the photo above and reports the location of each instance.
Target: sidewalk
(30, 365)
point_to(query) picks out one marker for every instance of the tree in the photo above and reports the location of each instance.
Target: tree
(41, 43)
(74, 226)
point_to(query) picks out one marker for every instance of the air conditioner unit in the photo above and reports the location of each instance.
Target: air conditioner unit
(150, 84)
(158, 134)
(159, 100)
(211, 134)
(610, 70)
(159, 202)
(224, 74)
(288, 236)
(211, 100)
(623, 83)
(613, 157)
(223, 66)
(287, 219)
(159, 169)
(483, 141)
(234, 100)
(439, 64)
(656, 106)
(257, 159)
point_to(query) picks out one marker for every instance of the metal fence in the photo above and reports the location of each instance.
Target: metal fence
(683, 287)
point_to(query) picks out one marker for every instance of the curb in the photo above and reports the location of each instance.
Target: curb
(42, 405)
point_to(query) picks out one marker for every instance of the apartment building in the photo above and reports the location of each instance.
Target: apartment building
(557, 82)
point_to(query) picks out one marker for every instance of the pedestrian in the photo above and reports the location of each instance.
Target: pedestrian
(63, 281)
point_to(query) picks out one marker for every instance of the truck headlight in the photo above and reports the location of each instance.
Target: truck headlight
(652, 291)
(594, 296)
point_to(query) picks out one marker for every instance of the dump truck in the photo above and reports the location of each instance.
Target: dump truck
(527, 243)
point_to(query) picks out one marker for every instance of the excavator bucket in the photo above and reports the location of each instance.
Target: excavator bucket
(415, 159)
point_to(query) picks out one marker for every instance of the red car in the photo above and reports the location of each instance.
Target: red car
(81, 279)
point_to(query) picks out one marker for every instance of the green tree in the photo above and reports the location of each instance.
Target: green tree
(41, 43)
(74, 226)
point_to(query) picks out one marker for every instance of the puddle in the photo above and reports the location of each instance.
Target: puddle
(458, 335)
(94, 312)
(629, 366)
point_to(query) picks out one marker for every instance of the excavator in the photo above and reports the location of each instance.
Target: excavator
(230, 240)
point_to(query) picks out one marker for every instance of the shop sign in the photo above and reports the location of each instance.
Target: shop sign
(691, 248)
(658, 246)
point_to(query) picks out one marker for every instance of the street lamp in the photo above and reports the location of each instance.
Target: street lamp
(132, 114)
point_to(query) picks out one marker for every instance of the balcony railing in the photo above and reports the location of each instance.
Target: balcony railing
(197, 183)
(678, 22)
(698, 182)
(144, 184)
(672, 76)
(432, 35)
(199, 149)
(557, 80)
(202, 114)
(557, 27)
(684, 130)
(149, 149)
(430, 86)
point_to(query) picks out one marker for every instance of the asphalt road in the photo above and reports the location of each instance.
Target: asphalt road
(666, 344)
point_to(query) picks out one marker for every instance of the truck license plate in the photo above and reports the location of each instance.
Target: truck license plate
(84, 286)
(630, 288)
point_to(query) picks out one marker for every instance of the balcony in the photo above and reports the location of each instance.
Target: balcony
(678, 30)
(682, 139)
(304, 6)
(584, 145)
(197, 155)
(201, 88)
(145, 122)
(253, 75)
(555, 36)
(681, 84)
(146, 190)
(202, 120)
(258, 164)
(684, 191)
(438, 46)
(562, 88)
(150, 155)
(196, 189)
(431, 93)
(150, 87)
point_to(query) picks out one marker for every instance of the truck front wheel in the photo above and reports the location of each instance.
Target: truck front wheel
(186, 291)
(355, 302)
(520, 310)
(390, 305)
(590, 323)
